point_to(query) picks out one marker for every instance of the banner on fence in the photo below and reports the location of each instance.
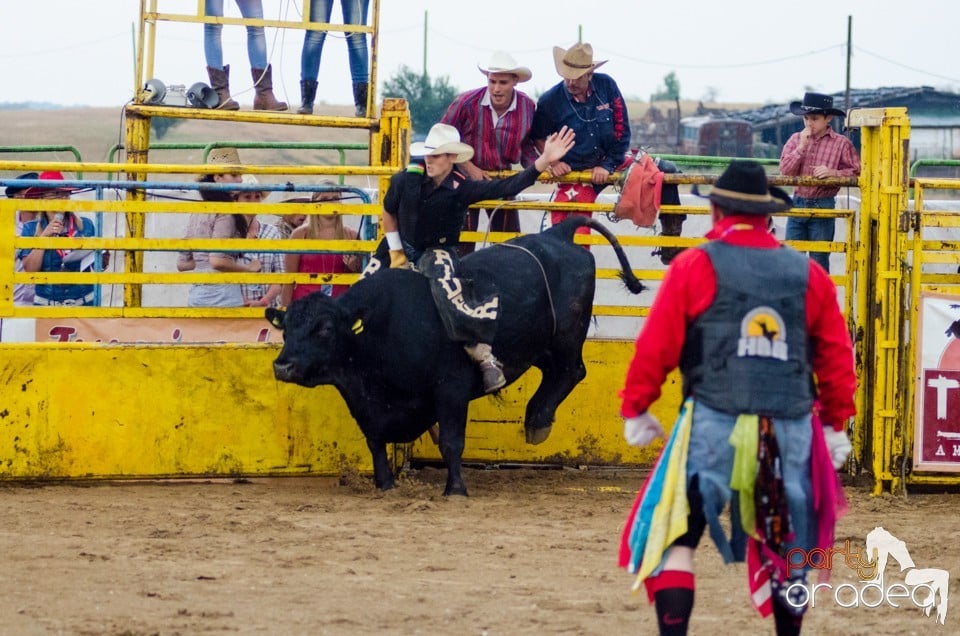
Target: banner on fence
(156, 330)
(937, 377)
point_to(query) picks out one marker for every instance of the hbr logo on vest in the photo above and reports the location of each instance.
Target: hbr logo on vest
(762, 335)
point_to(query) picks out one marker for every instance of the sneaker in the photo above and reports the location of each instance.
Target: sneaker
(493, 379)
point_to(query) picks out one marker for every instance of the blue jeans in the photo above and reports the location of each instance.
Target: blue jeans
(710, 457)
(354, 12)
(256, 40)
(815, 228)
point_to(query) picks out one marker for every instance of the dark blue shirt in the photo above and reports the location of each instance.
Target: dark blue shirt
(601, 123)
(53, 260)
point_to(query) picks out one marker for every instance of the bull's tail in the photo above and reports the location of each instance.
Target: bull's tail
(569, 227)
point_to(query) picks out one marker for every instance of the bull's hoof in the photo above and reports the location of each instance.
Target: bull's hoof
(460, 491)
(385, 485)
(538, 435)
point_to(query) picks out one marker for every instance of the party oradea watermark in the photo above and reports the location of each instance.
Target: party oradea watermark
(923, 588)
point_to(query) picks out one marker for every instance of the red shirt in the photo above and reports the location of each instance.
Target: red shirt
(688, 289)
(320, 263)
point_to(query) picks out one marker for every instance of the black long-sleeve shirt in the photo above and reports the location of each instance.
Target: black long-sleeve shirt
(432, 216)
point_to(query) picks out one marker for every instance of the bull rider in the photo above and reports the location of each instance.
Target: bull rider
(424, 210)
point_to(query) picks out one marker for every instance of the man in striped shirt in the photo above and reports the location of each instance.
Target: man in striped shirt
(817, 151)
(495, 121)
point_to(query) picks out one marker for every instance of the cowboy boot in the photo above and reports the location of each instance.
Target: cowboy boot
(220, 82)
(308, 93)
(360, 98)
(263, 83)
(490, 367)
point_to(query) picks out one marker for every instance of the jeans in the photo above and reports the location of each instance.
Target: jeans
(256, 40)
(354, 12)
(815, 228)
(86, 299)
(710, 459)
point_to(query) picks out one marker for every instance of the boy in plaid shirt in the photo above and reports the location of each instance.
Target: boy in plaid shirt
(817, 151)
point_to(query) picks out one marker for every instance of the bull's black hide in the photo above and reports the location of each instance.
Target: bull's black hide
(382, 345)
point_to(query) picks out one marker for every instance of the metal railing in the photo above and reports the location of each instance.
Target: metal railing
(341, 148)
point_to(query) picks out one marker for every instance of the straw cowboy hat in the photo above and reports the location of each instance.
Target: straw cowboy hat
(442, 139)
(35, 192)
(743, 188)
(815, 104)
(224, 155)
(501, 62)
(576, 61)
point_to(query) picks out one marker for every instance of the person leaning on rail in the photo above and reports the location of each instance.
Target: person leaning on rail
(591, 105)
(319, 227)
(260, 294)
(817, 151)
(49, 224)
(220, 225)
(22, 293)
(495, 121)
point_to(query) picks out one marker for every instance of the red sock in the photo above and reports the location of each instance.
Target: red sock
(672, 592)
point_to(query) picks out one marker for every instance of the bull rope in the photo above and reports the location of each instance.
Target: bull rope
(546, 283)
(486, 235)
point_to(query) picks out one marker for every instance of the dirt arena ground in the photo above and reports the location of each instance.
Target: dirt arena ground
(529, 552)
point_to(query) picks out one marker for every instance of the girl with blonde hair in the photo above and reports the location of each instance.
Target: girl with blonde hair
(320, 227)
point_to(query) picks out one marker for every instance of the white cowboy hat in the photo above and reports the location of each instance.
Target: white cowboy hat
(249, 179)
(501, 62)
(576, 61)
(442, 139)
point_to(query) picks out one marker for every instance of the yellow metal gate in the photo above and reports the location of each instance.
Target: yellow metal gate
(78, 410)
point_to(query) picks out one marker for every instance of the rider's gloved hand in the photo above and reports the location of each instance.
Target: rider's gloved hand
(398, 258)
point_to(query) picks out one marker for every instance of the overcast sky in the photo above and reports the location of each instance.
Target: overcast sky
(80, 52)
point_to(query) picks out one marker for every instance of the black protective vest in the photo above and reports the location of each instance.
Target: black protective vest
(747, 353)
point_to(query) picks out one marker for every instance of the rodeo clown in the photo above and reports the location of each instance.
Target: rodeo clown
(765, 357)
(424, 210)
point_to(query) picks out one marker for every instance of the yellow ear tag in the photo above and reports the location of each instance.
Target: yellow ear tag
(357, 326)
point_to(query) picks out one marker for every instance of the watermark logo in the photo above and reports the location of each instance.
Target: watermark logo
(925, 588)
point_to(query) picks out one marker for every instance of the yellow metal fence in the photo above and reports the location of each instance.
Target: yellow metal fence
(871, 281)
(197, 409)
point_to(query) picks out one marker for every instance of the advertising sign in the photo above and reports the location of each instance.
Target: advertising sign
(937, 377)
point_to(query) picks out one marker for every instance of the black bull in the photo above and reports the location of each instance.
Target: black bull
(383, 346)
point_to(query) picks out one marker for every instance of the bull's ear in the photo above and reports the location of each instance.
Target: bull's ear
(275, 317)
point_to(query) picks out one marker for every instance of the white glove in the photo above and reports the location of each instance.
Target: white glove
(838, 444)
(642, 429)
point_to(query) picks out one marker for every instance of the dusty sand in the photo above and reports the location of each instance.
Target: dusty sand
(529, 552)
